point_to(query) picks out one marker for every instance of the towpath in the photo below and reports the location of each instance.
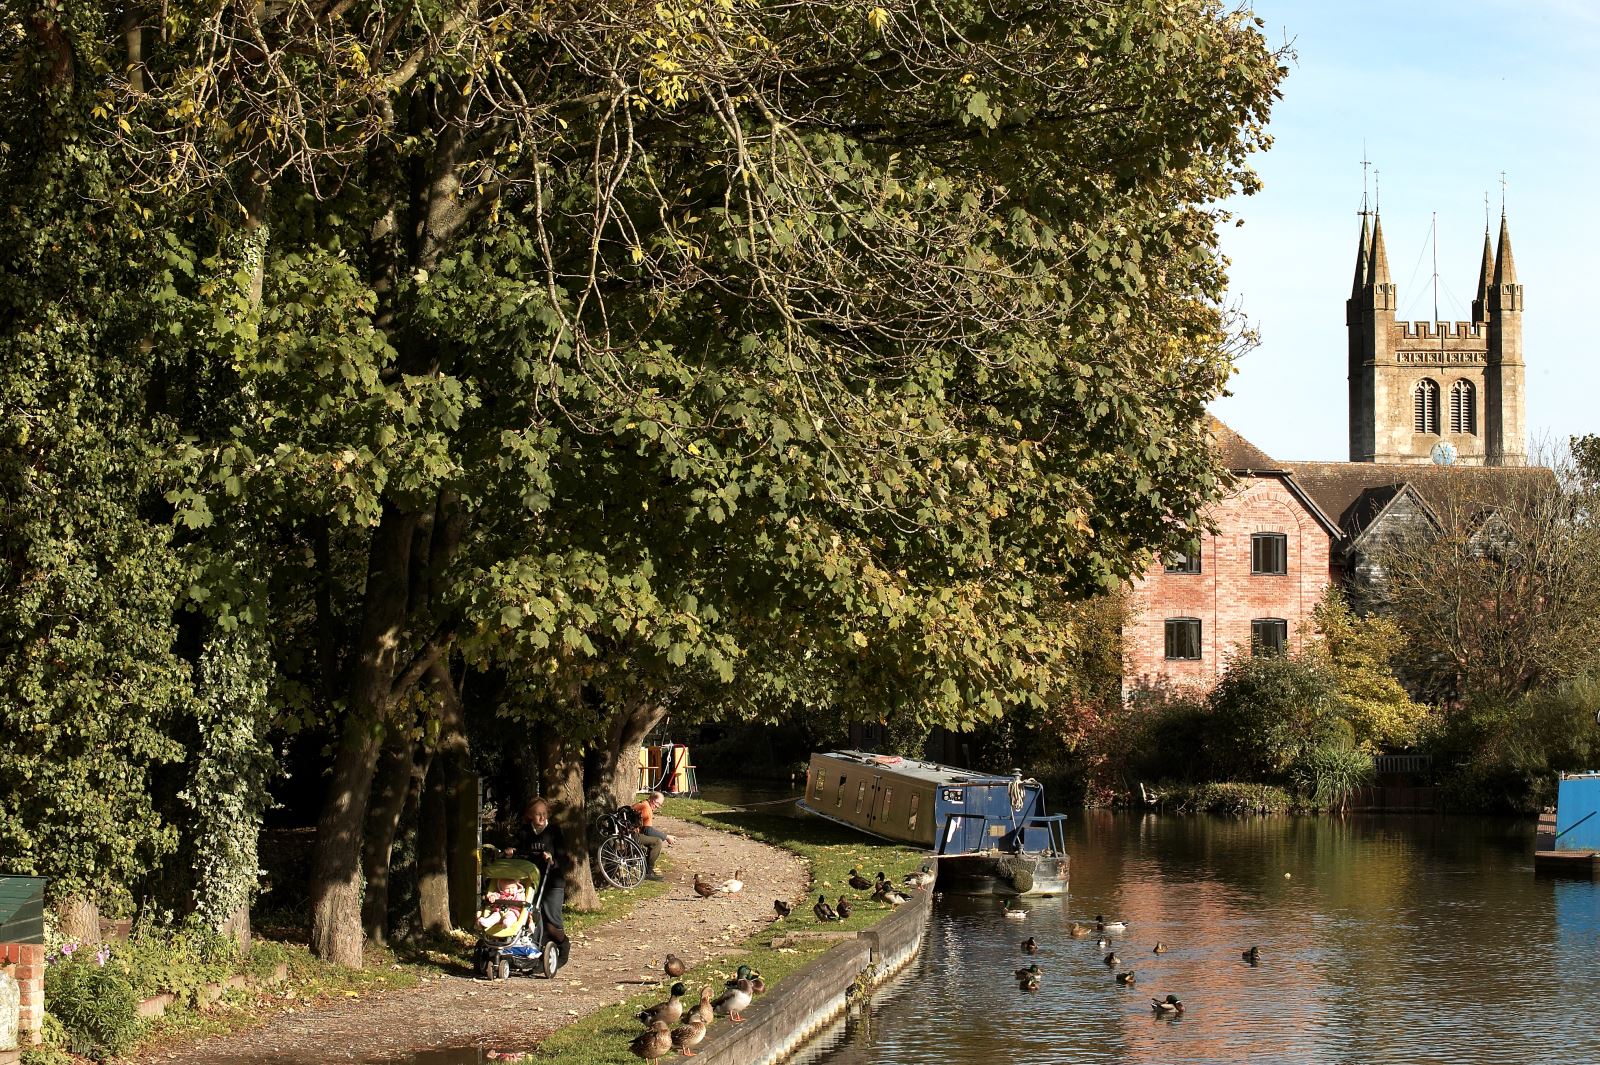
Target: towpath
(609, 964)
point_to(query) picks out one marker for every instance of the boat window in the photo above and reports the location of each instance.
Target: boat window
(838, 800)
(861, 792)
(888, 801)
(911, 822)
(822, 782)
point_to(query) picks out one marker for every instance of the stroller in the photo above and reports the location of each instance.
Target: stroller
(511, 934)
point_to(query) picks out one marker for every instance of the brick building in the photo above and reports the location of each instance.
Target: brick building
(1433, 407)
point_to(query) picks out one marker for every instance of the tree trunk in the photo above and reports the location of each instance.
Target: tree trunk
(617, 768)
(396, 768)
(433, 854)
(237, 926)
(336, 865)
(563, 788)
(78, 919)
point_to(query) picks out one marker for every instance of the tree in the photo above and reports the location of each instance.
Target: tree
(1269, 714)
(1358, 653)
(685, 354)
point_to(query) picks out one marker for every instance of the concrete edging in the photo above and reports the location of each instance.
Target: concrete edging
(797, 1007)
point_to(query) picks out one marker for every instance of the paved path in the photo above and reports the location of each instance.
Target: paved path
(608, 965)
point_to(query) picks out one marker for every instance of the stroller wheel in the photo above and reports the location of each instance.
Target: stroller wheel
(551, 959)
(503, 970)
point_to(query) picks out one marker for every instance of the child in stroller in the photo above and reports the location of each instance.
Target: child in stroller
(511, 937)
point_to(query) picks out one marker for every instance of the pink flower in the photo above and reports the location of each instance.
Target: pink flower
(67, 949)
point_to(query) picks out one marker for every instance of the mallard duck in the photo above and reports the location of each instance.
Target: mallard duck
(1167, 1007)
(1109, 926)
(1253, 955)
(781, 908)
(734, 1001)
(734, 884)
(703, 887)
(1127, 978)
(1032, 970)
(1029, 946)
(703, 1013)
(1077, 931)
(744, 972)
(920, 879)
(653, 1044)
(1112, 960)
(669, 1011)
(844, 909)
(674, 966)
(687, 1036)
(823, 911)
(859, 882)
(888, 894)
(1159, 948)
(1018, 914)
(1102, 943)
(1028, 982)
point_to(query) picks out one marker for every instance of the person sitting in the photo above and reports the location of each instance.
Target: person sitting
(539, 841)
(650, 837)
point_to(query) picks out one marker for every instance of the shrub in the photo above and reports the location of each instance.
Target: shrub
(1326, 775)
(96, 1005)
(177, 960)
(1267, 713)
(1229, 799)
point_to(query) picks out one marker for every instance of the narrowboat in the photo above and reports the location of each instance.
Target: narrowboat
(1568, 843)
(990, 833)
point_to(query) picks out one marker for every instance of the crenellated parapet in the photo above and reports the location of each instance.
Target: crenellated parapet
(1441, 330)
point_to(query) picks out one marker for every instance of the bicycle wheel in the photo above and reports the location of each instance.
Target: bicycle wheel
(621, 862)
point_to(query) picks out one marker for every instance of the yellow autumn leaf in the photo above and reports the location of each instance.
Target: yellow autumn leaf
(878, 19)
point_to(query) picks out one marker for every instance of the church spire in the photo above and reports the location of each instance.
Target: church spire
(1505, 268)
(1480, 302)
(1380, 258)
(1361, 258)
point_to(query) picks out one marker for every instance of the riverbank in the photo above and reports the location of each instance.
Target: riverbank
(610, 963)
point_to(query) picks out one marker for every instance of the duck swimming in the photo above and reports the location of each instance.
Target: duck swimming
(1109, 926)
(1168, 1007)
(1112, 959)
(1253, 955)
(1029, 946)
(1159, 948)
(1128, 978)
(1032, 970)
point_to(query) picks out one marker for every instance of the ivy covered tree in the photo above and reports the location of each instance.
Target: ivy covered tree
(742, 358)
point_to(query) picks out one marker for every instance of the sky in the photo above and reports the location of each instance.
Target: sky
(1442, 96)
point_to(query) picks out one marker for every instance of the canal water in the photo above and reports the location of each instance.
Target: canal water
(1414, 940)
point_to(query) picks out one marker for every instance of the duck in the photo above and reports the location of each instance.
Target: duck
(1112, 960)
(670, 1011)
(1167, 1007)
(687, 1036)
(1018, 914)
(781, 908)
(1127, 978)
(1032, 970)
(734, 884)
(920, 879)
(703, 1013)
(744, 972)
(674, 966)
(734, 1001)
(1028, 982)
(889, 895)
(1029, 946)
(703, 887)
(654, 1043)
(823, 911)
(1077, 930)
(1253, 955)
(844, 909)
(859, 882)
(1159, 948)
(1109, 926)
(1102, 943)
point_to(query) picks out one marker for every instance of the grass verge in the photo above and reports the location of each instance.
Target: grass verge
(830, 852)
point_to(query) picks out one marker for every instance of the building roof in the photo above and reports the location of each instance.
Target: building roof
(1354, 493)
(1238, 454)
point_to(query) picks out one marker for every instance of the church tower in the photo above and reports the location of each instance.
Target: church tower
(1415, 385)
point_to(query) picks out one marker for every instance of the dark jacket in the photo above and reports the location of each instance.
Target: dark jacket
(543, 848)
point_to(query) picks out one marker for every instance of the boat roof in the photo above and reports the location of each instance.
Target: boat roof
(934, 772)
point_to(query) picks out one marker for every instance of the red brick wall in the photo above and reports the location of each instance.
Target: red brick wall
(28, 971)
(1224, 595)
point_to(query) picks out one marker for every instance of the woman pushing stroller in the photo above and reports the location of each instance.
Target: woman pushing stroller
(538, 840)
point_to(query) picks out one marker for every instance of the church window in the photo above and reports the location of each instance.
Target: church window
(1183, 638)
(1185, 563)
(1463, 408)
(1425, 407)
(1269, 554)
(1269, 636)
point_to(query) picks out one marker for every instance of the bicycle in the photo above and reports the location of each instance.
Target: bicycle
(620, 859)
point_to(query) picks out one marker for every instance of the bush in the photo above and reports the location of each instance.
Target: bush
(176, 961)
(96, 1005)
(1268, 712)
(1229, 799)
(1325, 776)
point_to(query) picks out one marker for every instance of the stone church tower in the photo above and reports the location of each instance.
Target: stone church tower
(1414, 385)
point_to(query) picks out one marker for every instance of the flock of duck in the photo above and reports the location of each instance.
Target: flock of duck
(1028, 979)
(670, 1026)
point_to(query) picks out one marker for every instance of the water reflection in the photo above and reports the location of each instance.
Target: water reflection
(1389, 940)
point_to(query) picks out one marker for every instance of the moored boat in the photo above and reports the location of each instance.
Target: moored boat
(990, 833)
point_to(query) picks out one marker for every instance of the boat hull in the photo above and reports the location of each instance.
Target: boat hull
(1013, 875)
